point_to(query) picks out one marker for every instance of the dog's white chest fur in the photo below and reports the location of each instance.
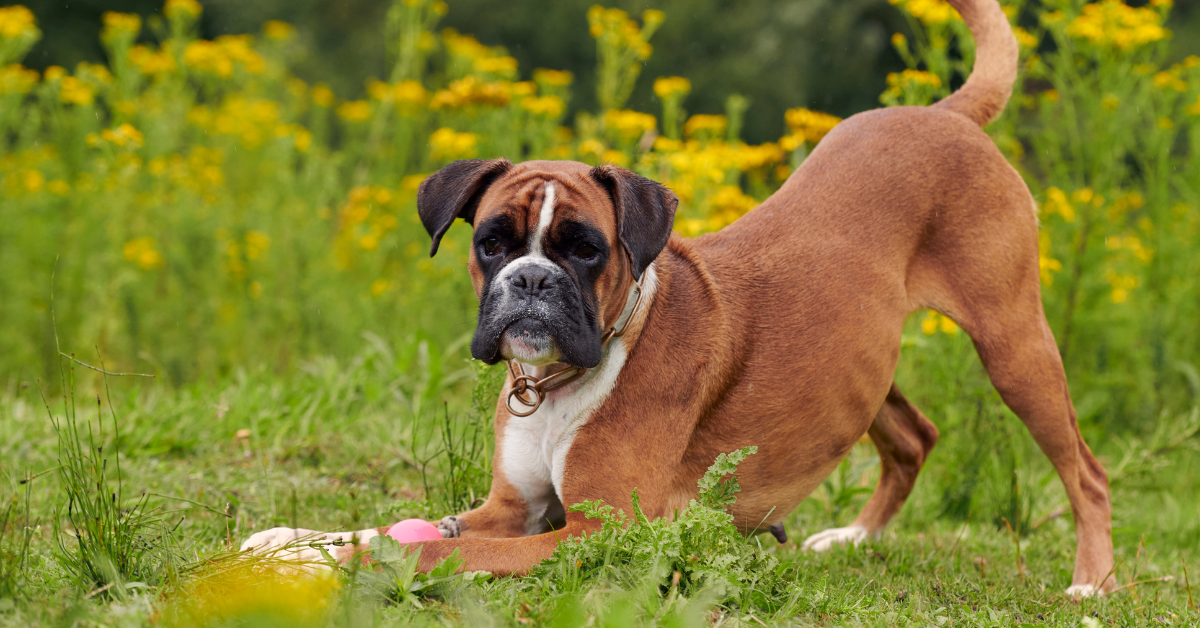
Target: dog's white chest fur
(535, 447)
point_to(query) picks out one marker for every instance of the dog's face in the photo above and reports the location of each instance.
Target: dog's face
(555, 248)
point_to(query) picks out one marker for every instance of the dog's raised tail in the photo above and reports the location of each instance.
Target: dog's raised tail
(986, 91)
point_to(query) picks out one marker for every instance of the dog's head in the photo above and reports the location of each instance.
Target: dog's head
(555, 248)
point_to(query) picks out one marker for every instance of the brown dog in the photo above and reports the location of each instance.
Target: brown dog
(637, 356)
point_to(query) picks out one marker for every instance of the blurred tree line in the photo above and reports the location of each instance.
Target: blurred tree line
(831, 55)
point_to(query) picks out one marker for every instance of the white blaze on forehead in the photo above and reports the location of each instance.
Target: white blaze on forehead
(544, 219)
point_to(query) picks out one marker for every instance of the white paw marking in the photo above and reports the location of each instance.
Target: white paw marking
(296, 546)
(826, 539)
(1083, 590)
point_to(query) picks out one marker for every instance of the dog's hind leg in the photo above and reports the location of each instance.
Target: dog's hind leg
(904, 438)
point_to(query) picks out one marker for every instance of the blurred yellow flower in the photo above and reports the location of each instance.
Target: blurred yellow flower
(712, 126)
(464, 45)
(930, 12)
(1046, 265)
(17, 21)
(16, 79)
(54, 73)
(118, 25)
(186, 9)
(407, 94)
(142, 252)
(123, 135)
(380, 286)
(257, 244)
(1121, 284)
(151, 62)
(1024, 37)
(549, 106)
(810, 125)
(553, 78)
(671, 87)
(472, 91)
(628, 124)
(276, 29)
(447, 143)
(354, 111)
(73, 91)
(1114, 24)
(936, 320)
(1110, 102)
(1057, 203)
(1194, 109)
(505, 67)
(223, 54)
(322, 96)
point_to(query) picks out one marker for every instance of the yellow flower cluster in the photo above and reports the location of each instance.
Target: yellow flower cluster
(1112, 23)
(1121, 284)
(930, 12)
(917, 84)
(182, 9)
(238, 253)
(471, 91)
(17, 79)
(223, 54)
(1046, 264)
(1173, 77)
(705, 126)
(809, 126)
(671, 87)
(1130, 243)
(17, 22)
(447, 144)
(464, 45)
(628, 124)
(1024, 38)
(123, 135)
(553, 78)
(120, 25)
(936, 320)
(276, 29)
(502, 67)
(200, 171)
(725, 206)
(407, 94)
(150, 61)
(622, 31)
(252, 120)
(548, 106)
(367, 216)
(144, 253)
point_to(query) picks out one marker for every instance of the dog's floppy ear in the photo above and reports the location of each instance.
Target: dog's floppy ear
(645, 213)
(454, 192)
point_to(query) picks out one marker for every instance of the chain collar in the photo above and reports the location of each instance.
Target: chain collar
(532, 392)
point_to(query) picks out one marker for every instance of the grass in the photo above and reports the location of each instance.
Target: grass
(355, 444)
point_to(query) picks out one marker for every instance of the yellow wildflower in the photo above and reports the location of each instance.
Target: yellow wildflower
(322, 96)
(221, 55)
(1112, 23)
(257, 244)
(1057, 203)
(182, 9)
(505, 67)
(151, 61)
(929, 11)
(464, 45)
(553, 78)
(629, 124)
(671, 87)
(1165, 123)
(354, 110)
(1194, 109)
(58, 186)
(446, 143)
(15, 79)
(380, 286)
(549, 106)
(118, 25)
(1121, 284)
(1110, 102)
(472, 91)
(706, 125)
(32, 180)
(615, 157)
(810, 125)
(17, 22)
(1046, 264)
(276, 29)
(1024, 37)
(75, 92)
(143, 253)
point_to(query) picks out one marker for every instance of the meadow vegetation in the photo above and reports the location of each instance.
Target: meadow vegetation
(193, 211)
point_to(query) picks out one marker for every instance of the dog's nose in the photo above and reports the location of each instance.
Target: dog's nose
(531, 281)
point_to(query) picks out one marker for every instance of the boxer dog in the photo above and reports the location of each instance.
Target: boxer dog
(636, 355)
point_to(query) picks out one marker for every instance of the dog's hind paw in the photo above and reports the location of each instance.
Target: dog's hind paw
(1083, 590)
(826, 539)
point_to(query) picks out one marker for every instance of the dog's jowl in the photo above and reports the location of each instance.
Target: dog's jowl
(635, 356)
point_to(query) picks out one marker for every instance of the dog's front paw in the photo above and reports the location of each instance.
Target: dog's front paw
(1083, 590)
(826, 539)
(294, 545)
(450, 527)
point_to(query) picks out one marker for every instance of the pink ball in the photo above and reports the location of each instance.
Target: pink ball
(412, 530)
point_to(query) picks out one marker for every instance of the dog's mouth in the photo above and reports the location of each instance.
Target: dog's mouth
(530, 341)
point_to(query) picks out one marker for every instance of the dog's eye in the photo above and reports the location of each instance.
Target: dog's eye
(585, 251)
(491, 246)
